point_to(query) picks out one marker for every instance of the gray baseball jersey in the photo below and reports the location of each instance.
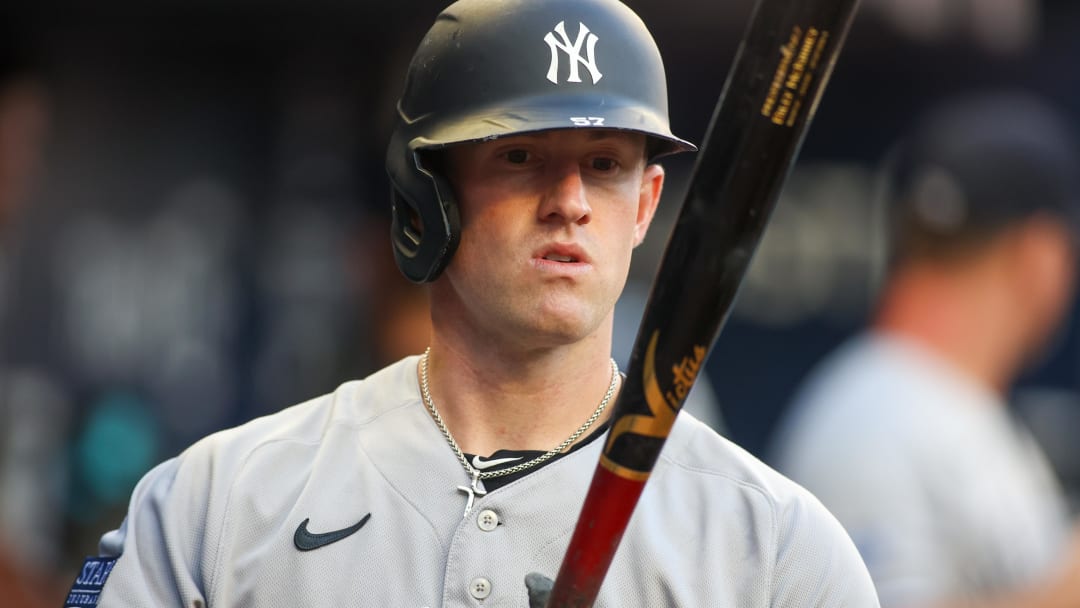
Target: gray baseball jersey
(351, 500)
(944, 495)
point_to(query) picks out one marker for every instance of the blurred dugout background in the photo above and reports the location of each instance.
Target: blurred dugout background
(193, 224)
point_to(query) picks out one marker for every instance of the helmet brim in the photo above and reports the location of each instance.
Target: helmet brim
(536, 115)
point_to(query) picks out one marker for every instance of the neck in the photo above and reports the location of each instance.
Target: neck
(960, 316)
(495, 398)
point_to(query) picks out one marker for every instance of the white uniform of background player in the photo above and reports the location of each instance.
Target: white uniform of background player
(944, 495)
(904, 433)
(357, 498)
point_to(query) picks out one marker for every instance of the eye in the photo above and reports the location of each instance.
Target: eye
(517, 157)
(604, 164)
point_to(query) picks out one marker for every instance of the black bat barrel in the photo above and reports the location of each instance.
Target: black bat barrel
(768, 101)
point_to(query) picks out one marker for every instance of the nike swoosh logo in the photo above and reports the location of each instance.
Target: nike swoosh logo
(306, 541)
(487, 464)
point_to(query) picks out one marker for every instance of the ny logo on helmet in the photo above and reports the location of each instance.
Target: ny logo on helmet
(573, 53)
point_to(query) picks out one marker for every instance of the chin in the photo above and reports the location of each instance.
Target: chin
(559, 328)
(552, 332)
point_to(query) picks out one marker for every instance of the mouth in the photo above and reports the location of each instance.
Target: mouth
(563, 254)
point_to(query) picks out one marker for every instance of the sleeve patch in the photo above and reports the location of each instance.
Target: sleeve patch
(87, 588)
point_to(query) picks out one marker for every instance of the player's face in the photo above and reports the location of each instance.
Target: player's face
(548, 223)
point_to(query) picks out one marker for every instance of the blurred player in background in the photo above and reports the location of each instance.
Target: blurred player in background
(904, 433)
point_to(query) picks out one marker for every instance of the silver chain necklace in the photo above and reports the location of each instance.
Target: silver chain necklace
(473, 489)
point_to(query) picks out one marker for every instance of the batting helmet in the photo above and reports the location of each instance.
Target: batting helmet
(490, 68)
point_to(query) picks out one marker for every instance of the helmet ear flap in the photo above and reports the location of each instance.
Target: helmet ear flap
(425, 229)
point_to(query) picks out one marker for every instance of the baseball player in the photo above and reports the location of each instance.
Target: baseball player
(904, 432)
(524, 174)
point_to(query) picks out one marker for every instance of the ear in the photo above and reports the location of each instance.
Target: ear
(1047, 265)
(652, 183)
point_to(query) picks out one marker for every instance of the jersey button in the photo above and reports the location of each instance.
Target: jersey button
(480, 588)
(488, 520)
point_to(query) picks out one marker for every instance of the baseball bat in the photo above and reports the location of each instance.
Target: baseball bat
(768, 101)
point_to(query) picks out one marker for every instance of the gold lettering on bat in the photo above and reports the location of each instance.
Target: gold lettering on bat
(799, 57)
(684, 375)
(786, 100)
(807, 79)
(794, 113)
(819, 50)
(787, 51)
(662, 407)
(798, 67)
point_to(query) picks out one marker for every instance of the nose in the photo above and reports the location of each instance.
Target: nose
(565, 200)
